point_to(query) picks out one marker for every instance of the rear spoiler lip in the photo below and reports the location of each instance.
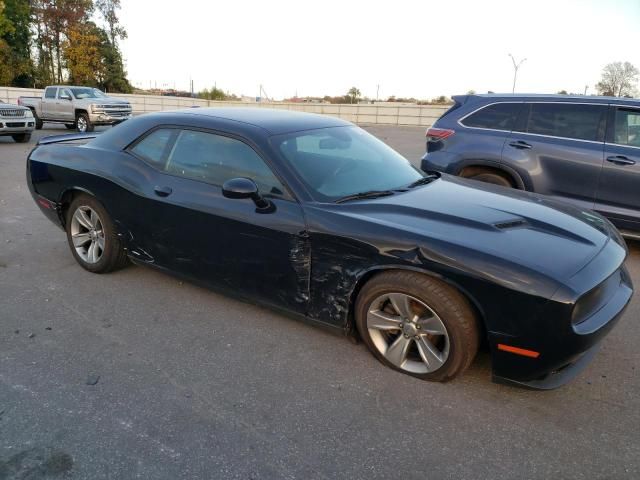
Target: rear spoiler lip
(69, 137)
(461, 99)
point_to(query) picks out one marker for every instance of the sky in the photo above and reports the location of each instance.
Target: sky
(421, 49)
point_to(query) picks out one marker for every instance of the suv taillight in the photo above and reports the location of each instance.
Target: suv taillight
(437, 134)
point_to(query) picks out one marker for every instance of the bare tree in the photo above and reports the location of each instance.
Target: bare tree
(618, 80)
(109, 10)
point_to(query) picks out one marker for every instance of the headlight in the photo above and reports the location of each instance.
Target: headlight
(28, 113)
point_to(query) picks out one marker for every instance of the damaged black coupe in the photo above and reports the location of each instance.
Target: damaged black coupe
(313, 216)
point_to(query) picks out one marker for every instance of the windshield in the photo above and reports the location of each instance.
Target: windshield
(86, 92)
(340, 161)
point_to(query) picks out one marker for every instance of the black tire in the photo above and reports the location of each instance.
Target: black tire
(70, 126)
(39, 123)
(453, 309)
(83, 119)
(21, 137)
(493, 178)
(113, 256)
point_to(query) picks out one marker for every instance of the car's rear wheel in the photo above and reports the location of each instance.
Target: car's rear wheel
(418, 325)
(83, 123)
(21, 138)
(92, 236)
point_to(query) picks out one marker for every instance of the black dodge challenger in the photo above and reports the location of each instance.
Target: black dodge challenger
(315, 217)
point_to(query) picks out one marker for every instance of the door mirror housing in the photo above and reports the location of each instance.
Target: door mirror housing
(246, 188)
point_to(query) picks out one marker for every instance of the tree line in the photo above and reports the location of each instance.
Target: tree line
(44, 42)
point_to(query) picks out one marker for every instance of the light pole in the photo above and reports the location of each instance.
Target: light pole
(516, 66)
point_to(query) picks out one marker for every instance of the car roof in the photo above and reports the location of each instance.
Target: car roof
(274, 121)
(554, 97)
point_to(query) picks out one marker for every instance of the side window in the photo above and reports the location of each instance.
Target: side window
(50, 92)
(499, 116)
(154, 148)
(627, 127)
(64, 93)
(215, 159)
(568, 120)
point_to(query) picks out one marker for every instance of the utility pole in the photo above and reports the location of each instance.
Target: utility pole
(585, 90)
(378, 92)
(516, 66)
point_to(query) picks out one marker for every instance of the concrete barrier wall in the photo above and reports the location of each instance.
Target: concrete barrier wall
(419, 115)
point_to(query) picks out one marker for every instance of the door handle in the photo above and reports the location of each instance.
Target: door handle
(620, 160)
(520, 144)
(162, 191)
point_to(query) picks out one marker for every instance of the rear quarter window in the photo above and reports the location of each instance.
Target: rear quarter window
(50, 92)
(498, 116)
(153, 148)
(567, 120)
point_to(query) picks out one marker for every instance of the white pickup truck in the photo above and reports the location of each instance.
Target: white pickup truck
(80, 108)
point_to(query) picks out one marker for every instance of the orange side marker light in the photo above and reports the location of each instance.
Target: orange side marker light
(518, 351)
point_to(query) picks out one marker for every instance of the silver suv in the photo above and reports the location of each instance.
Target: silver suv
(16, 122)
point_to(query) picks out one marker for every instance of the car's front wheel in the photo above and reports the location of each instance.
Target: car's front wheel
(417, 324)
(92, 236)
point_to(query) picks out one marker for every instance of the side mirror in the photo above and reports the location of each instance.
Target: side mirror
(246, 188)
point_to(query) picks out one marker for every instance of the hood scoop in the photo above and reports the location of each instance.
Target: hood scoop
(510, 224)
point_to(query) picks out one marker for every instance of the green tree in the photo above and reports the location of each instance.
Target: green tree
(6, 72)
(17, 38)
(113, 76)
(563, 92)
(618, 80)
(213, 94)
(353, 94)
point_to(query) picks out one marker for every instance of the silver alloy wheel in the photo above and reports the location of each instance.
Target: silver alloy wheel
(408, 333)
(87, 234)
(82, 124)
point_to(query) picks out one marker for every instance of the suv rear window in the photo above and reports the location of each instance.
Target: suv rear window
(498, 116)
(567, 120)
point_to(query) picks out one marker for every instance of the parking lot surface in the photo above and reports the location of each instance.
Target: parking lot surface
(136, 374)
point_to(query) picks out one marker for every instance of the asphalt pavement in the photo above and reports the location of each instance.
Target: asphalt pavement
(136, 374)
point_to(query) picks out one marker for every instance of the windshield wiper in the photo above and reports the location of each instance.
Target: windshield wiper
(423, 181)
(363, 195)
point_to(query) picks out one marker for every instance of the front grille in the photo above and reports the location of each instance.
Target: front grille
(114, 110)
(14, 124)
(12, 112)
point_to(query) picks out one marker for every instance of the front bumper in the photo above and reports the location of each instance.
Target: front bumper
(564, 345)
(16, 126)
(108, 119)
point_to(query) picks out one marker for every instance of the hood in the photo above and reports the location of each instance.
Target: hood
(489, 225)
(114, 100)
(8, 106)
(107, 101)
